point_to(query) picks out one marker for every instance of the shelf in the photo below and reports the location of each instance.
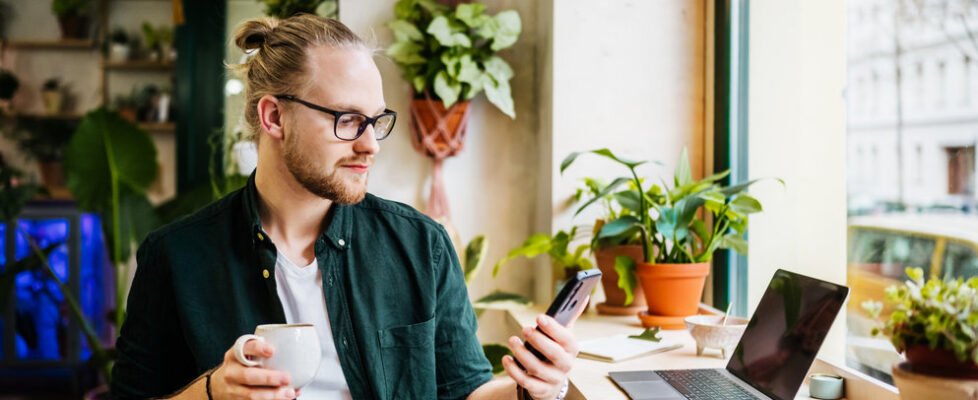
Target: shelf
(54, 44)
(38, 115)
(158, 127)
(138, 65)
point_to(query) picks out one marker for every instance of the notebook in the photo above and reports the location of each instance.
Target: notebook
(621, 347)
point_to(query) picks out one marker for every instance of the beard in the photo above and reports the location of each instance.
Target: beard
(331, 187)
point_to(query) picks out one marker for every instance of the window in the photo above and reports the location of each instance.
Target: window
(916, 204)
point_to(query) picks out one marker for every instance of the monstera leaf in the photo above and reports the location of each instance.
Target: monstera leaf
(110, 164)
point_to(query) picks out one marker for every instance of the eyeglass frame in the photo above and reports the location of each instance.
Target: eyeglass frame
(337, 114)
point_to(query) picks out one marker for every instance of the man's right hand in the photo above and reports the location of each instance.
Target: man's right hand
(233, 380)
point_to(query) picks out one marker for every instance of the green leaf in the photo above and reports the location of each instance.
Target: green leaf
(625, 267)
(619, 226)
(500, 96)
(714, 200)
(494, 353)
(507, 31)
(419, 83)
(407, 53)
(699, 228)
(745, 204)
(629, 200)
(650, 334)
(475, 252)
(535, 245)
(604, 192)
(469, 71)
(501, 300)
(442, 30)
(469, 13)
(498, 69)
(447, 89)
(684, 174)
(405, 31)
(735, 242)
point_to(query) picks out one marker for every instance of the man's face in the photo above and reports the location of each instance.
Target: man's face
(334, 169)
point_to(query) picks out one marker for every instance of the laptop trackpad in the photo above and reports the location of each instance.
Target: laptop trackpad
(644, 385)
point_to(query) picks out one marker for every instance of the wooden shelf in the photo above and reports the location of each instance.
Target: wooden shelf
(38, 115)
(138, 65)
(158, 127)
(53, 44)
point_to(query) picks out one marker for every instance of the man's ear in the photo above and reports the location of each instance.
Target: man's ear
(270, 117)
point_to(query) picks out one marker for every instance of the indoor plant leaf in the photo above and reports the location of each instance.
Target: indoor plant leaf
(533, 246)
(475, 252)
(508, 29)
(499, 95)
(501, 300)
(494, 353)
(745, 204)
(406, 53)
(447, 89)
(734, 241)
(625, 267)
(469, 13)
(105, 149)
(498, 69)
(604, 192)
(405, 31)
(650, 334)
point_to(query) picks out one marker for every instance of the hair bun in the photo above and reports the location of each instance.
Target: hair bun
(254, 33)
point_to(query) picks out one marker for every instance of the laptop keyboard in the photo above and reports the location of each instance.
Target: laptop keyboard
(704, 384)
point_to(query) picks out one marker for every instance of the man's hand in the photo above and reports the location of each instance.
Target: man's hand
(542, 379)
(233, 380)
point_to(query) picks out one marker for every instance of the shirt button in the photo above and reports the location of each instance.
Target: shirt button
(344, 342)
(261, 237)
(341, 242)
(265, 273)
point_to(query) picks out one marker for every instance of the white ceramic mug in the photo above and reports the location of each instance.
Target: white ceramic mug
(297, 350)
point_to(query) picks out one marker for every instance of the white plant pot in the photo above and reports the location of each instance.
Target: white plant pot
(914, 386)
(119, 52)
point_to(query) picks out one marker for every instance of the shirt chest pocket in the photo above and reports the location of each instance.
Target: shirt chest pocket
(408, 354)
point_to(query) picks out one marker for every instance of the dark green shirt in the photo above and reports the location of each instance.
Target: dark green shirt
(396, 299)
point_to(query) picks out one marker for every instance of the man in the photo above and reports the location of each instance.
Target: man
(304, 242)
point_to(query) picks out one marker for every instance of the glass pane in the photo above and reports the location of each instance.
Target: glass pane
(912, 129)
(960, 261)
(95, 286)
(41, 323)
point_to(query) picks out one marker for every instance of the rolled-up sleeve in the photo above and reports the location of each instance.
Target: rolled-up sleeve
(461, 365)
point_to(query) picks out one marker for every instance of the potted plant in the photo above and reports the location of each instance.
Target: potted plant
(119, 46)
(126, 107)
(72, 17)
(933, 324)
(52, 95)
(165, 35)
(606, 250)
(677, 243)
(44, 141)
(563, 260)
(449, 55)
(287, 8)
(151, 39)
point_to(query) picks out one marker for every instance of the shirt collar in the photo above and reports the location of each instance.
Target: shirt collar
(339, 225)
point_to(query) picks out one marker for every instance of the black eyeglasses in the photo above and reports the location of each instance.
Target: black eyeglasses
(348, 125)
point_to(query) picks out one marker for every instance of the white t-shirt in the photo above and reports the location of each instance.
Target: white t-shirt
(301, 291)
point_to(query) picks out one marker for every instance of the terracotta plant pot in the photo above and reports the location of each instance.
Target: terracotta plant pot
(673, 290)
(914, 385)
(939, 362)
(615, 296)
(73, 27)
(52, 174)
(438, 132)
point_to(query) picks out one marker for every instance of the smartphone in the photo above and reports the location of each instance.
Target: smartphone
(563, 308)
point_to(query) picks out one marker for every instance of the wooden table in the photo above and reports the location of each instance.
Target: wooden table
(589, 378)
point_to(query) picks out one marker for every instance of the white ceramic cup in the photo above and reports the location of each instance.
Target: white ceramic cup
(297, 350)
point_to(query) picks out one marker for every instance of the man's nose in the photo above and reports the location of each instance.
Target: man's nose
(367, 142)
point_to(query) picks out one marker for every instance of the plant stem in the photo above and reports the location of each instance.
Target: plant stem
(76, 311)
(116, 240)
(646, 244)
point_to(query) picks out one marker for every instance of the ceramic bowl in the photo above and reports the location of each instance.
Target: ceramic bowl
(708, 333)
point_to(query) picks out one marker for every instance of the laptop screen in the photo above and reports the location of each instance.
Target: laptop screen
(785, 333)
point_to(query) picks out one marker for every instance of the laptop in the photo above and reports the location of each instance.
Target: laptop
(773, 356)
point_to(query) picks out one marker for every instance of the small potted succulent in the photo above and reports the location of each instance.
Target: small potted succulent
(119, 46)
(52, 95)
(935, 325)
(73, 17)
(677, 241)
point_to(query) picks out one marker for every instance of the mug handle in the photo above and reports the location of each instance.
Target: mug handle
(239, 350)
